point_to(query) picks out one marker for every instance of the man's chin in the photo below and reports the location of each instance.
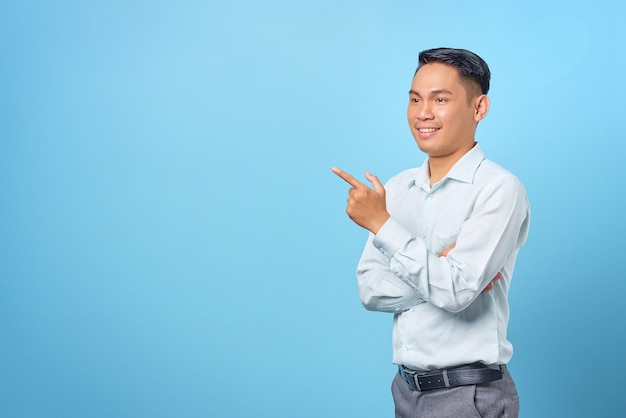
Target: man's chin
(424, 146)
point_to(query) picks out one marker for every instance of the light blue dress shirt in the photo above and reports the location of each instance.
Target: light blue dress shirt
(442, 315)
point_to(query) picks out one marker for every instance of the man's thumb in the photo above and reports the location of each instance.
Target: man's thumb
(378, 186)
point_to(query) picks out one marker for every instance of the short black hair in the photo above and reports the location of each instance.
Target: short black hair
(469, 65)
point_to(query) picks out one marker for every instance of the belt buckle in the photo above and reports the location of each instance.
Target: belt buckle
(411, 378)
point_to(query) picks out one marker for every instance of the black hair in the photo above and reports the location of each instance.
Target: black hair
(469, 65)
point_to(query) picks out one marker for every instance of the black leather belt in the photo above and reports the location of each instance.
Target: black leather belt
(469, 374)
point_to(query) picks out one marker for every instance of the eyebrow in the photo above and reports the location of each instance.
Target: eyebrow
(436, 91)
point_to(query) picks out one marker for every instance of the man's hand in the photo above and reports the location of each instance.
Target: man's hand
(445, 251)
(487, 288)
(366, 207)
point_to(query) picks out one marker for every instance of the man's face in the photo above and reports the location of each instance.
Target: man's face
(442, 113)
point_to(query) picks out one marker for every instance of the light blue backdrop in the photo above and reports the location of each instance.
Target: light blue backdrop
(173, 243)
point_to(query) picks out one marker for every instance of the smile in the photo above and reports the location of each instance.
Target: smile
(427, 130)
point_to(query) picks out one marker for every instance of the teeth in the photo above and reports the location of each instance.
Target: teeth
(427, 130)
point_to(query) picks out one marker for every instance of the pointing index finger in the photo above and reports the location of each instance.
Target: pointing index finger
(348, 178)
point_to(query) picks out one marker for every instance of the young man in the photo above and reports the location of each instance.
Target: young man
(442, 249)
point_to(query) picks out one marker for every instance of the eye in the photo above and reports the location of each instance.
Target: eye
(414, 100)
(440, 100)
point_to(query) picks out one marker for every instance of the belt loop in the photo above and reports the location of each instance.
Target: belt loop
(446, 381)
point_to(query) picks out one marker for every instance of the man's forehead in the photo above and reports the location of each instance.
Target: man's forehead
(436, 83)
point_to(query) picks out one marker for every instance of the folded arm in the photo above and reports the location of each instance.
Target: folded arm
(398, 271)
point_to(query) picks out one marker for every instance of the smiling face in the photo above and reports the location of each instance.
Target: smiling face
(443, 112)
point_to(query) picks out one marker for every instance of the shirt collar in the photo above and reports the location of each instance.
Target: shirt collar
(463, 170)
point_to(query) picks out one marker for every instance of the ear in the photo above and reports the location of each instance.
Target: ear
(481, 107)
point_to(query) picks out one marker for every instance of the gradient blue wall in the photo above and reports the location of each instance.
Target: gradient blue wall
(173, 243)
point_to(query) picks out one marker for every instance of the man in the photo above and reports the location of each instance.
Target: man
(442, 249)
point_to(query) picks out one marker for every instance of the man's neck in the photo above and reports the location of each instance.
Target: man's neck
(440, 166)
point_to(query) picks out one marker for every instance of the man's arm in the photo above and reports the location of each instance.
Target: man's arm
(486, 245)
(487, 288)
(397, 271)
(367, 207)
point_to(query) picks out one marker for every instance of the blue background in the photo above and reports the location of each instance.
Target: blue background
(174, 244)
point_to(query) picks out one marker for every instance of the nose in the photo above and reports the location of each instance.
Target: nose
(424, 111)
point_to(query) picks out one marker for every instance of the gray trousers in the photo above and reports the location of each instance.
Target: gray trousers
(498, 399)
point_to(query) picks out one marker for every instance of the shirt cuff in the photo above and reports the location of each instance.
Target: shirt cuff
(390, 237)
